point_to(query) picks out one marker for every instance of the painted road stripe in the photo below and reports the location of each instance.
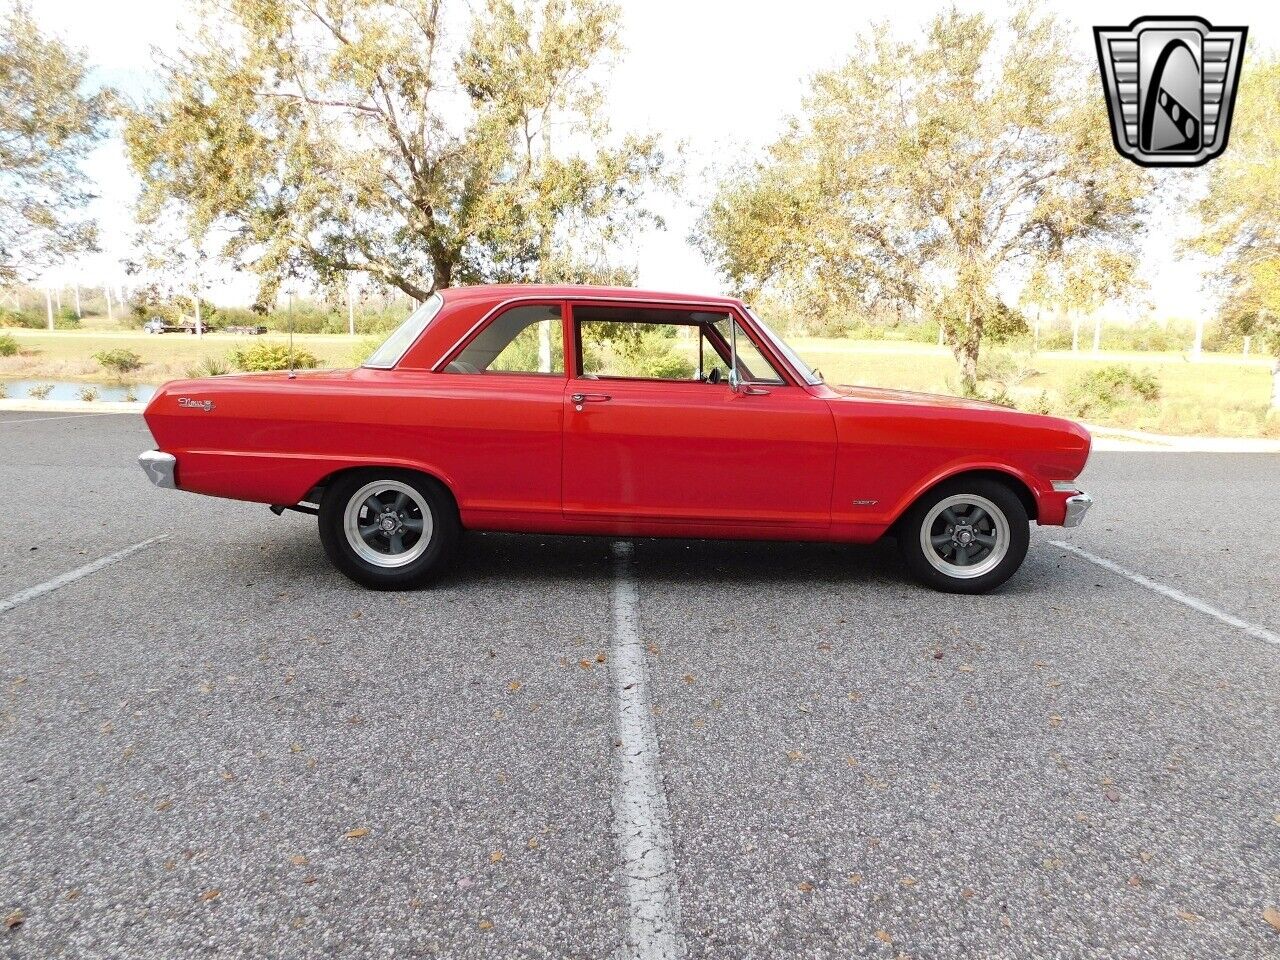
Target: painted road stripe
(18, 599)
(1252, 629)
(69, 416)
(640, 816)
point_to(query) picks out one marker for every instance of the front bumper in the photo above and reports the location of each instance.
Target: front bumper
(1077, 506)
(160, 468)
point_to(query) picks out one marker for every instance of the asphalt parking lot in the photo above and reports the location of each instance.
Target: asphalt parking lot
(218, 746)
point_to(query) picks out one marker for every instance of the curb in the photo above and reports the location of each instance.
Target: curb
(72, 406)
(1117, 438)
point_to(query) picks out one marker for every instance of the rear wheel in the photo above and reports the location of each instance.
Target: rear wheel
(968, 535)
(388, 529)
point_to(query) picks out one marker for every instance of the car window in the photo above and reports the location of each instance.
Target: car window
(659, 344)
(526, 339)
(402, 338)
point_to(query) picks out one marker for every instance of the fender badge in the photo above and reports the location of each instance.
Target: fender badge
(205, 405)
(865, 503)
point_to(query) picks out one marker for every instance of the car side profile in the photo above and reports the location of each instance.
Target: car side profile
(615, 412)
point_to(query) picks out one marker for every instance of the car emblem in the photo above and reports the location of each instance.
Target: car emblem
(205, 405)
(1170, 84)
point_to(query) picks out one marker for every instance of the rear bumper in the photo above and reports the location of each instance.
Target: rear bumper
(160, 468)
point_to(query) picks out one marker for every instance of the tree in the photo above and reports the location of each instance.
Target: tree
(323, 137)
(48, 124)
(931, 172)
(1241, 213)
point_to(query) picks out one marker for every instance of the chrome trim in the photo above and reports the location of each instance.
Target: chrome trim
(1066, 486)
(409, 346)
(159, 468)
(1077, 507)
(736, 307)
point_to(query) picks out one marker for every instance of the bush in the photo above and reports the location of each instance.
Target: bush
(208, 367)
(119, 362)
(40, 391)
(21, 318)
(1101, 390)
(88, 394)
(271, 356)
(8, 345)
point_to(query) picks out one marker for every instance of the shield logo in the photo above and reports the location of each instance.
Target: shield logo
(1170, 85)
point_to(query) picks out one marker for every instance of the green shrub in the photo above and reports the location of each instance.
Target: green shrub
(40, 391)
(4, 390)
(129, 395)
(8, 345)
(1102, 390)
(21, 318)
(364, 349)
(271, 356)
(208, 367)
(88, 394)
(119, 362)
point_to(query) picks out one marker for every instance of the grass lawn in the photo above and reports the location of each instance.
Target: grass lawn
(1222, 395)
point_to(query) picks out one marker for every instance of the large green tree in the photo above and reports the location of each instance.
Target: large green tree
(319, 137)
(1241, 212)
(934, 172)
(48, 124)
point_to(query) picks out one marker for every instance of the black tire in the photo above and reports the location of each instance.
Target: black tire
(1009, 533)
(441, 529)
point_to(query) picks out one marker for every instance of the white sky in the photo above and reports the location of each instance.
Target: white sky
(719, 75)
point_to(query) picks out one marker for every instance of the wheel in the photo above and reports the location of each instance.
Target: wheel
(968, 535)
(389, 529)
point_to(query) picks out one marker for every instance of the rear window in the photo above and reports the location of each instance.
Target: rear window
(402, 338)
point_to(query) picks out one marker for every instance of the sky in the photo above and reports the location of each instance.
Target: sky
(718, 76)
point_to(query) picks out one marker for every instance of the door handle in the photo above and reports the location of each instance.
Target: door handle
(580, 398)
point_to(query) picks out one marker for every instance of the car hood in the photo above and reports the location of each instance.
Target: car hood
(912, 397)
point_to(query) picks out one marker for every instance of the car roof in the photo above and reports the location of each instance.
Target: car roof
(503, 291)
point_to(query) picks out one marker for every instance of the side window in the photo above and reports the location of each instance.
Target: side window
(659, 344)
(524, 339)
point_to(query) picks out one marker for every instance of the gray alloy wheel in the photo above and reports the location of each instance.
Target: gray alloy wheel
(388, 523)
(964, 536)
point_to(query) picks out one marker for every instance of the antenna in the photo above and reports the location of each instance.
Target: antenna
(292, 374)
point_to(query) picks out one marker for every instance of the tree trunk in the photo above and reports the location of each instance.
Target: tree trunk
(1275, 384)
(1097, 333)
(967, 354)
(1075, 332)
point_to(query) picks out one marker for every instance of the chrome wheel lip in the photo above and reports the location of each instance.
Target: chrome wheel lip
(988, 563)
(367, 553)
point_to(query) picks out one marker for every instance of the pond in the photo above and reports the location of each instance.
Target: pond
(70, 390)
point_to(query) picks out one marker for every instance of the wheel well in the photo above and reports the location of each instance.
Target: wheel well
(316, 493)
(1015, 484)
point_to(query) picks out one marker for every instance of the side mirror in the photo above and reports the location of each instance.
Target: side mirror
(735, 382)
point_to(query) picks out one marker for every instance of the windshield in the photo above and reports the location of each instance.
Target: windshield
(402, 338)
(791, 356)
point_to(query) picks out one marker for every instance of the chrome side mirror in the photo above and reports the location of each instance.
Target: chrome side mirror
(735, 382)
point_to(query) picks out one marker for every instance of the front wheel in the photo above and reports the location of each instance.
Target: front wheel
(965, 536)
(388, 529)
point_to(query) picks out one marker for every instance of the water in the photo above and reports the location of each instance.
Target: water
(70, 389)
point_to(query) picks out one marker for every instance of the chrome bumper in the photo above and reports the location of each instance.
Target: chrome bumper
(1077, 507)
(159, 468)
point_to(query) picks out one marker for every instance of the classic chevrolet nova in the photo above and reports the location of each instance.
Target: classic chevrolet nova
(614, 412)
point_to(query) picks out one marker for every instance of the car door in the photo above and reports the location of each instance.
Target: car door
(653, 434)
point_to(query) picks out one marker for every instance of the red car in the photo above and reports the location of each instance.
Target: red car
(615, 412)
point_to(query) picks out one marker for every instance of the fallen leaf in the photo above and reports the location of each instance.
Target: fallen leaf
(18, 680)
(1277, 818)
(585, 664)
(853, 879)
(805, 887)
(298, 860)
(937, 654)
(1006, 923)
(687, 678)
(965, 668)
(355, 718)
(795, 755)
(208, 895)
(514, 685)
(1055, 721)
(1188, 916)
(1135, 881)
(206, 688)
(107, 727)
(1272, 916)
(1144, 856)
(14, 920)
(883, 936)
(851, 761)
(486, 924)
(72, 895)
(533, 843)
(297, 923)
(357, 833)
(908, 881)
(295, 748)
(164, 805)
(496, 856)
(600, 657)
(967, 894)
(1111, 794)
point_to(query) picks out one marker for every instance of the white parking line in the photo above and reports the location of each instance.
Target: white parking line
(1253, 630)
(639, 803)
(71, 576)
